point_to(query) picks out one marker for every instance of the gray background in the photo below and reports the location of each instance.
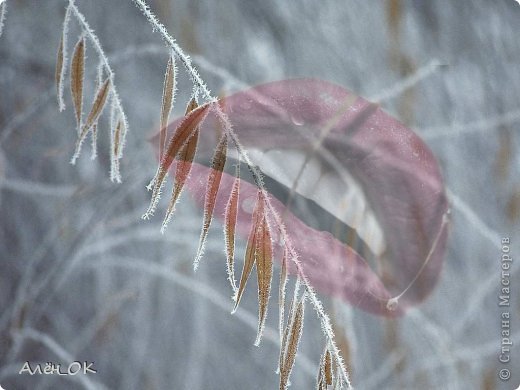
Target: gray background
(83, 278)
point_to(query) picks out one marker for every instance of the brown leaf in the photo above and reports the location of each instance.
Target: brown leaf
(281, 292)
(184, 161)
(77, 71)
(251, 247)
(117, 138)
(215, 175)
(294, 334)
(59, 75)
(264, 270)
(168, 97)
(94, 141)
(97, 107)
(281, 302)
(283, 342)
(285, 333)
(326, 367)
(230, 222)
(99, 80)
(181, 136)
(192, 105)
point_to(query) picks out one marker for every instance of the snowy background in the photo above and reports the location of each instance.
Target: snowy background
(84, 278)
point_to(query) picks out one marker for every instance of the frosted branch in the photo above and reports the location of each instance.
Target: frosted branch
(255, 172)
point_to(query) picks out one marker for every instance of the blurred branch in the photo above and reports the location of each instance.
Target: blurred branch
(408, 82)
(36, 189)
(198, 349)
(54, 280)
(440, 340)
(481, 291)
(467, 354)
(31, 109)
(474, 219)
(385, 370)
(480, 125)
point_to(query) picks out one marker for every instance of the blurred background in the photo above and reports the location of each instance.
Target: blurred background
(84, 278)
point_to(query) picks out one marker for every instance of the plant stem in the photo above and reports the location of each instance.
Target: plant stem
(172, 43)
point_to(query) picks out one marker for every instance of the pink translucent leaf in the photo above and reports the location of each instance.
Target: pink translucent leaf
(374, 181)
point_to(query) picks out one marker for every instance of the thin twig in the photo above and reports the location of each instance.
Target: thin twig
(36, 189)
(474, 219)
(474, 127)
(172, 43)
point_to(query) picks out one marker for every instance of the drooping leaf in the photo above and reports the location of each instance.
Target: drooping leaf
(284, 338)
(217, 167)
(264, 269)
(93, 141)
(192, 105)
(118, 129)
(97, 107)
(251, 247)
(99, 80)
(292, 312)
(281, 293)
(58, 75)
(325, 373)
(61, 59)
(281, 305)
(295, 327)
(117, 138)
(115, 153)
(230, 221)
(77, 72)
(180, 137)
(168, 98)
(185, 159)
